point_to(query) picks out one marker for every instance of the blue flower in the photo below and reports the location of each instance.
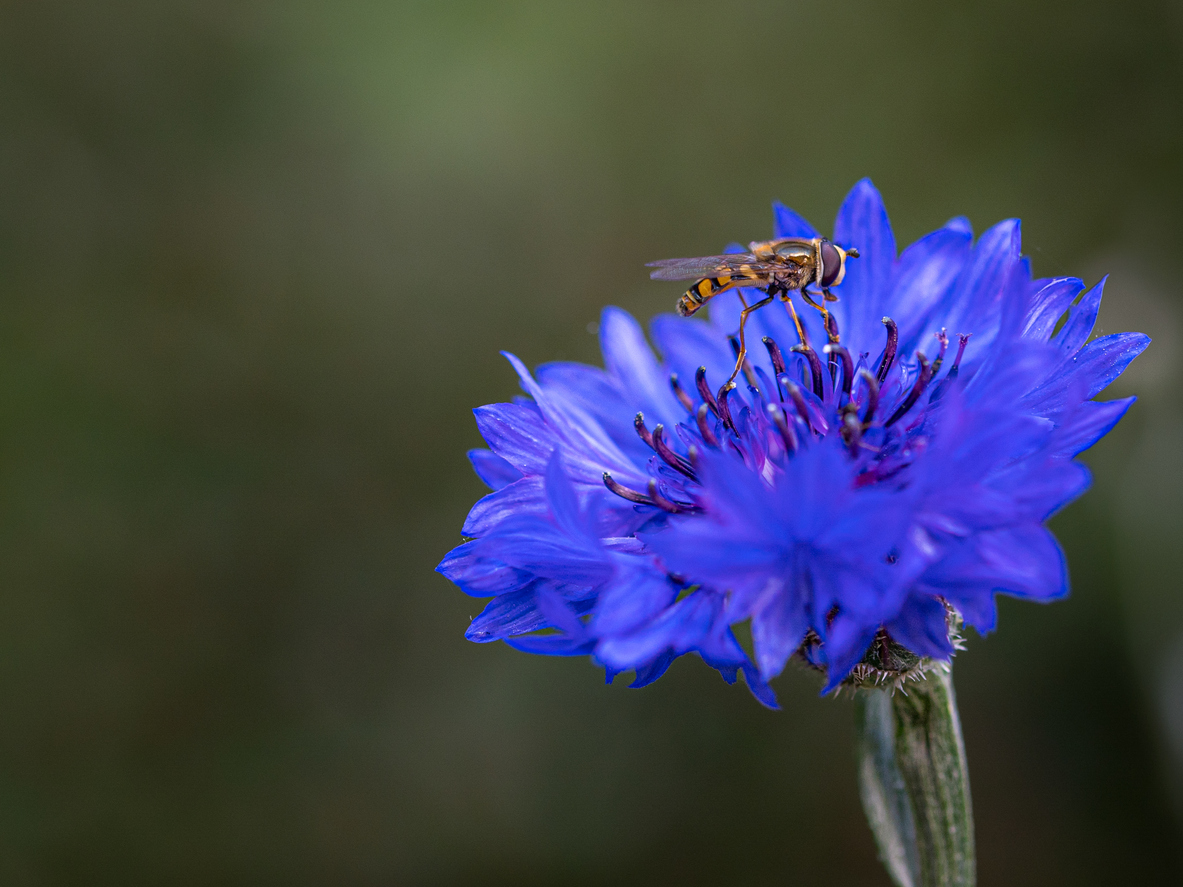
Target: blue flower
(842, 499)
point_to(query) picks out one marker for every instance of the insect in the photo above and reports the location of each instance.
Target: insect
(778, 267)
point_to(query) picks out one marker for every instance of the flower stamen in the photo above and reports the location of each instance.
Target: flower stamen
(725, 408)
(787, 434)
(852, 428)
(661, 501)
(872, 397)
(939, 391)
(922, 381)
(624, 492)
(642, 431)
(778, 359)
(944, 340)
(680, 393)
(798, 399)
(672, 459)
(847, 365)
(704, 391)
(893, 339)
(815, 367)
(708, 433)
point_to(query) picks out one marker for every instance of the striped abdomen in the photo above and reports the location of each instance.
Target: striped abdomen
(709, 287)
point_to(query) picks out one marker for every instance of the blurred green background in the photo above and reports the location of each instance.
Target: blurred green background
(256, 263)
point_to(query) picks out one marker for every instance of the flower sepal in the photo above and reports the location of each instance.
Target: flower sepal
(887, 664)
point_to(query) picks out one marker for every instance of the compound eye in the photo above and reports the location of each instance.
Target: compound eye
(831, 263)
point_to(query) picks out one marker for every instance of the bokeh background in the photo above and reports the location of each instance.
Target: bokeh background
(256, 263)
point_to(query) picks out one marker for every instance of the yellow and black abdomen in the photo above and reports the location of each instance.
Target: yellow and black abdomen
(709, 287)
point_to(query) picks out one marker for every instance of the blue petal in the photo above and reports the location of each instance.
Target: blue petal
(564, 503)
(922, 627)
(787, 223)
(1039, 488)
(1021, 561)
(925, 275)
(759, 687)
(1081, 318)
(1096, 365)
(523, 496)
(552, 645)
(862, 222)
(845, 644)
(1088, 423)
(650, 672)
(492, 469)
(537, 546)
(518, 434)
(632, 598)
(960, 224)
(687, 344)
(679, 629)
(777, 630)
(479, 576)
(1048, 305)
(505, 616)
(590, 389)
(588, 450)
(630, 361)
(976, 303)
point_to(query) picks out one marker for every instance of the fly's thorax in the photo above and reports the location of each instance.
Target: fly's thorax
(794, 277)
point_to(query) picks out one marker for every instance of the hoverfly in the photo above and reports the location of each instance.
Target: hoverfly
(778, 267)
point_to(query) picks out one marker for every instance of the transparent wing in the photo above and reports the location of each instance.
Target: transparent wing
(708, 266)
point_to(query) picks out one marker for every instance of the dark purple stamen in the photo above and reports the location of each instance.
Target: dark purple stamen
(963, 340)
(847, 366)
(872, 396)
(725, 409)
(680, 393)
(642, 431)
(893, 341)
(852, 428)
(938, 390)
(787, 433)
(704, 391)
(654, 497)
(624, 492)
(765, 383)
(778, 359)
(944, 344)
(661, 501)
(672, 459)
(704, 428)
(815, 366)
(921, 383)
(798, 399)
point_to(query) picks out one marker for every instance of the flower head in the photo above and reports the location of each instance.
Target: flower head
(843, 499)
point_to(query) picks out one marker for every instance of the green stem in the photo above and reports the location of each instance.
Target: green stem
(914, 782)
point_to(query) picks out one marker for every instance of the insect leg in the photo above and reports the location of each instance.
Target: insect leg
(825, 312)
(796, 320)
(743, 347)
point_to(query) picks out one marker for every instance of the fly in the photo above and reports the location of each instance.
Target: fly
(778, 267)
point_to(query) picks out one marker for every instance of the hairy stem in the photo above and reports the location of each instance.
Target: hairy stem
(914, 782)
